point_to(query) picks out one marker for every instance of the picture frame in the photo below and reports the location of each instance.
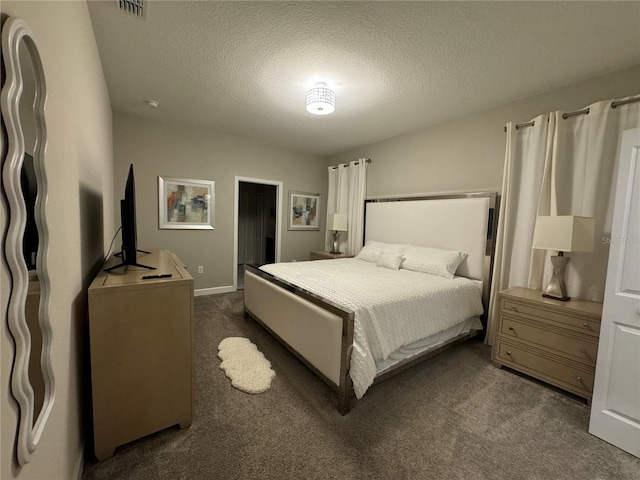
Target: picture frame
(304, 210)
(186, 204)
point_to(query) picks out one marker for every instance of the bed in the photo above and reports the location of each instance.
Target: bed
(357, 321)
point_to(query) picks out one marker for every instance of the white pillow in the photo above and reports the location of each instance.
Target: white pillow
(443, 263)
(371, 251)
(389, 260)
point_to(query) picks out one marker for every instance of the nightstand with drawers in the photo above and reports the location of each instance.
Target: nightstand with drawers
(328, 255)
(551, 340)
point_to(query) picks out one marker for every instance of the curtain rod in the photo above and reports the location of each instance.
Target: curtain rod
(585, 111)
(368, 160)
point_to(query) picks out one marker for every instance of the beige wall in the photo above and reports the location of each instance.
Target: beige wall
(467, 154)
(79, 169)
(170, 150)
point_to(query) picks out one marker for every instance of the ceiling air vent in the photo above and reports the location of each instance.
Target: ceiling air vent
(133, 7)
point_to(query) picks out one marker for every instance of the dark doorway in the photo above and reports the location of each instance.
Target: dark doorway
(256, 225)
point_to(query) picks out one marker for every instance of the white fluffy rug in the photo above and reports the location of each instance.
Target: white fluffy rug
(245, 365)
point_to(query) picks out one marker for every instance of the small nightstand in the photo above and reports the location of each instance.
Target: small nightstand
(328, 255)
(554, 341)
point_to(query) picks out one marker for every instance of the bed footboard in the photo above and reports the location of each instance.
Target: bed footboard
(319, 333)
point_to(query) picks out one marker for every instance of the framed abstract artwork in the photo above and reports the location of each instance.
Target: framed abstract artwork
(184, 203)
(304, 211)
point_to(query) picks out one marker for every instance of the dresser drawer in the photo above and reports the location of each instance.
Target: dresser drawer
(576, 323)
(553, 371)
(581, 350)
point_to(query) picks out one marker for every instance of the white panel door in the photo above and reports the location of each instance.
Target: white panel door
(615, 409)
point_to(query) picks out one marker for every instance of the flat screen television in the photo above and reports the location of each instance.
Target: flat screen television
(129, 251)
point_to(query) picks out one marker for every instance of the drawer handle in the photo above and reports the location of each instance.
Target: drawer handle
(514, 308)
(584, 384)
(585, 325)
(511, 328)
(508, 352)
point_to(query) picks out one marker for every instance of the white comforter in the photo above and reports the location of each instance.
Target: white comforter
(392, 307)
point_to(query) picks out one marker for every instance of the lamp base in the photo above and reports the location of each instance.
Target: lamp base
(557, 288)
(336, 242)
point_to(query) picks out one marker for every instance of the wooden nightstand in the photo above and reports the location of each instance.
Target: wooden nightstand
(554, 341)
(328, 255)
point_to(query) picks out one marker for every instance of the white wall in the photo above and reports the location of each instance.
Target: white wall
(170, 150)
(79, 169)
(467, 154)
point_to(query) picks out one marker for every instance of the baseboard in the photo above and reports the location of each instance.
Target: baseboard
(213, 291)
(79, 468)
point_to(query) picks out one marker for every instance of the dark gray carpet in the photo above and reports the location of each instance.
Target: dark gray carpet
(453, 417)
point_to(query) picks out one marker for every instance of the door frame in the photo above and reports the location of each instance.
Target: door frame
(260, 181)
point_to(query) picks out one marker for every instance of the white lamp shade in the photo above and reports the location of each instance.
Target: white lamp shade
(337, 222)
(564, 233)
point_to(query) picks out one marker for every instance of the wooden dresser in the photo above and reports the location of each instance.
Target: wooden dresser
(327, 255)
(141, 350)
(554, 341)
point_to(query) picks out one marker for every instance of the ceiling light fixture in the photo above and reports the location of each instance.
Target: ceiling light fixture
(152, 103)
(321, 100)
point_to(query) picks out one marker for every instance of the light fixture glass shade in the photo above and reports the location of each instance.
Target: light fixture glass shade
(564, 233)
(321, 100)
(337, 222)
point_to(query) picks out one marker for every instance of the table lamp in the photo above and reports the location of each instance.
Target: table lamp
(338, 223)
(564, 233)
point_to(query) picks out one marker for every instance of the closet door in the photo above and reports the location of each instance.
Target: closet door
(615, 411)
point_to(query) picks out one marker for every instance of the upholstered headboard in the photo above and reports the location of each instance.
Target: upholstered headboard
(451, 222)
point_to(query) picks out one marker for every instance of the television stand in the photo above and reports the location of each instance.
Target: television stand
(142, 350)
(124, 264)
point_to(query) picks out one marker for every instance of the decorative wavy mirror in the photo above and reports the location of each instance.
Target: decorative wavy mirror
(26, 244)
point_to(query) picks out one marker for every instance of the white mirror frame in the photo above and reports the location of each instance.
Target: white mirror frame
(14, 32)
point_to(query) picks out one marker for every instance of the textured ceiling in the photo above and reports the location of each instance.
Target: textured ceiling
(244, 67)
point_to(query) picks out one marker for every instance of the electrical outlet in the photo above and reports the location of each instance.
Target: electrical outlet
(200, 269)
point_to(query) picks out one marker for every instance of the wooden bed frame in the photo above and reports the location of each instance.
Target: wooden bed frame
(320, 333)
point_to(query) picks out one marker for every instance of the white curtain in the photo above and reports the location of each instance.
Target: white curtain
(347, 191)
(558, 167)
